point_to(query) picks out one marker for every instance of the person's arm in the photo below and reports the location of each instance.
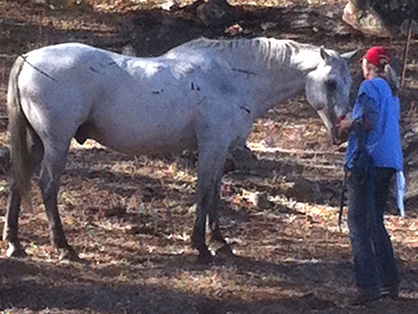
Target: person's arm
(369, 113)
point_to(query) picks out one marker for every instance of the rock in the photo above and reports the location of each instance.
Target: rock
(365, 21)
(216, 13)
(381, 18)
(409, 126)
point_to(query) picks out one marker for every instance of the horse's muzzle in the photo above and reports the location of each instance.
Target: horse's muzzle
(334, 135)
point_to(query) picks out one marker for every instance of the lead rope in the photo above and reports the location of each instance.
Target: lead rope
(361, 160)
(340, 214)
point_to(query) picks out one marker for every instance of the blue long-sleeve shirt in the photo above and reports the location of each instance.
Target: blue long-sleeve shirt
(376, 101)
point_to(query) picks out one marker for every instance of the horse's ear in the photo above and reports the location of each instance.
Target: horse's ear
(324, 55)
(350, 56)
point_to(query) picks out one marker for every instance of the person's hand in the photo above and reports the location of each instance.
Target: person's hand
(344, 129)
(344, 125)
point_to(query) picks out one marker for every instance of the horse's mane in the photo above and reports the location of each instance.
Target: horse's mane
(267, 48)
(244, 43)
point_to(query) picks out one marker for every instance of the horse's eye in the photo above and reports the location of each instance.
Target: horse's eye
(331, 85)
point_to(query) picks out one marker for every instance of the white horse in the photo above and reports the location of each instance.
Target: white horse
(202, 95)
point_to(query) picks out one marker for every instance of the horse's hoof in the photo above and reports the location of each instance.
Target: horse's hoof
(69, 254)
(216, 237)
(205, 257)
(225, 250)
(16, 250)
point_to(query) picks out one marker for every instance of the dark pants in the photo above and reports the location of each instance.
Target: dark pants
(374, 262)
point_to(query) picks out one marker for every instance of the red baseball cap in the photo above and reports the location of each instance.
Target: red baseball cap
(378, 56)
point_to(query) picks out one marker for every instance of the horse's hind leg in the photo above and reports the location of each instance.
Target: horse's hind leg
(10, 231)
(52, 166)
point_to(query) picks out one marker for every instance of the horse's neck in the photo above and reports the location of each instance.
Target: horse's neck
(264, 94)
(277, 78)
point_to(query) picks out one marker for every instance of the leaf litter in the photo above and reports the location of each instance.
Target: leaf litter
(131, 218)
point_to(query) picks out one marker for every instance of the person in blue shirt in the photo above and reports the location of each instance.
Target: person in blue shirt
(375, 123)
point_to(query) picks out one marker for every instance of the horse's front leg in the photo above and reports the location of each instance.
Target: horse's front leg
(215, 231)
(11, 226)
(210, 169)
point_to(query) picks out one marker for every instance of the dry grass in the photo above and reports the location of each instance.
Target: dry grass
(130, 218)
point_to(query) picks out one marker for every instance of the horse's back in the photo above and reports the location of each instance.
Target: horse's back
(130, 104)
(133, 105)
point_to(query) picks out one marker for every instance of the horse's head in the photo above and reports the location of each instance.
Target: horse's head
(328, 88)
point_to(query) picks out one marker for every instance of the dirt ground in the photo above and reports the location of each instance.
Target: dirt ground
(130, 218)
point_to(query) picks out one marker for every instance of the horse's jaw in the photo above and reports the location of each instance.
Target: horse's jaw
(329, 124)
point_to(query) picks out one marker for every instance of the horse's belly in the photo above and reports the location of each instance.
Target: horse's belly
(158, 141)
(146, 122)
(158, 147)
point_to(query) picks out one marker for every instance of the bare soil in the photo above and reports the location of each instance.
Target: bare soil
(130, 218)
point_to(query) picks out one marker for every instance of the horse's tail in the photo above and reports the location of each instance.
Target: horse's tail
(18, 129)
